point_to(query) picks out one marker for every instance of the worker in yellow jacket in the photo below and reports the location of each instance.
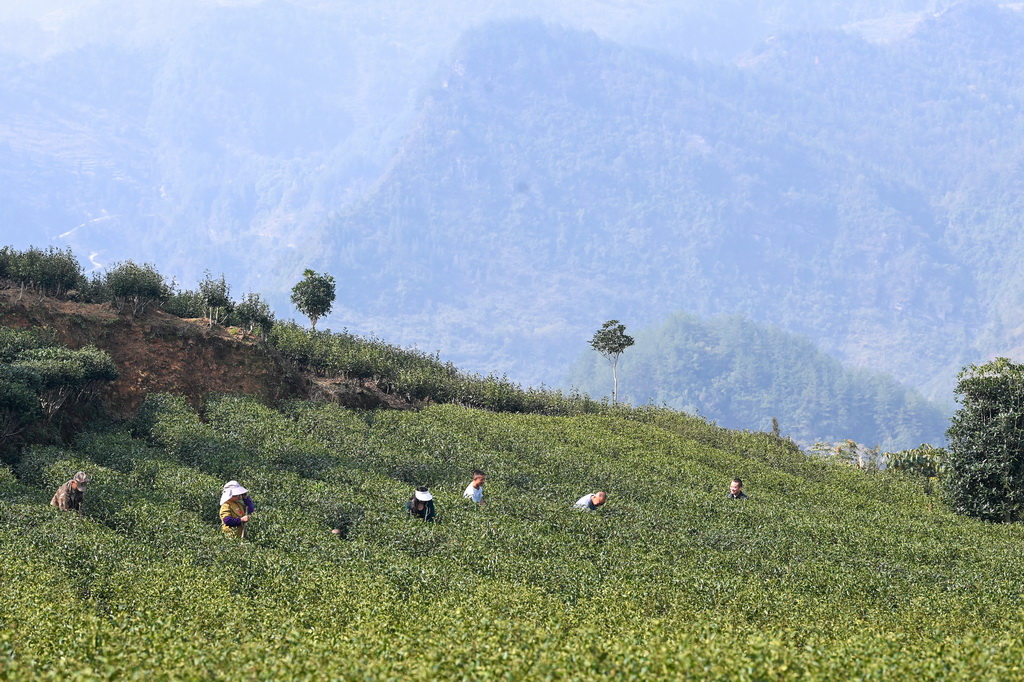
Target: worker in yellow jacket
(235, 508)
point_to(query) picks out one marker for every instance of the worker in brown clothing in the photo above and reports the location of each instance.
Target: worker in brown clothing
(70, 495)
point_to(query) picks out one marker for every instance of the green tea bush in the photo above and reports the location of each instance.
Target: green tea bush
(115, 449)
(170, 422)
(135, 286)
(188, 304)
(253, 314)
(417, 376)
(36, 459)
(825, 572)
(39, 378)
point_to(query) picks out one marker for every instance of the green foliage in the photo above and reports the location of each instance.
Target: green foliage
(58, 366)
(216, 294)
(925, 460)
(14, 341)
(821, 574)
(188, 304)
(414, 375)
(52, 271)
(610, 341)
(66, 376)
(19, 402)
(254, 314)
(985, 466)
(135, 286)
(40, 378)
(314, 295)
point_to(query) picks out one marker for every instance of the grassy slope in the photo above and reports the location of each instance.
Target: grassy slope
(825, 570)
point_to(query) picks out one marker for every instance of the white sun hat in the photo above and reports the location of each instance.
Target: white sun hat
(423, 495)
(230, 491)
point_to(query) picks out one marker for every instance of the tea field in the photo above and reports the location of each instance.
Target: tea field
(825, 572)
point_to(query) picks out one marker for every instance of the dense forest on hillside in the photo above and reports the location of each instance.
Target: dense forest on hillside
(605, 182)
(742, 374)
(864, 194)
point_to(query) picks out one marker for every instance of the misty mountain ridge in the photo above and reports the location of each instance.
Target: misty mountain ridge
(748, 375)
(602, 203)
(861, 193)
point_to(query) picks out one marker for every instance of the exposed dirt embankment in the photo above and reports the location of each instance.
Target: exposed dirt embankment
(157, 352)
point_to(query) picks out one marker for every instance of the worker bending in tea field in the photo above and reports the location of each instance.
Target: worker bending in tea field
(70, 496)
(736, 490)
(592, 501)
(475, 490)
(235, 507)
(421, 504)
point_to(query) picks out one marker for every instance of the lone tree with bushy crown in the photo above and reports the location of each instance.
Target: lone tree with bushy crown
(314, 295)
(985, 465)
(610, 340)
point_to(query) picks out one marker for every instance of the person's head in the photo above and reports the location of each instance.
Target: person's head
(599, 498)
(420, 497)
(736, 487)
(80, 481)
(478, 478)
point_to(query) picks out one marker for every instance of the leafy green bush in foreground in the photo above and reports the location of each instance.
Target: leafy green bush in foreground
(826, 572)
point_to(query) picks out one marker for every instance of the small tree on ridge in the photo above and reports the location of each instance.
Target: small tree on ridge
(314, 295)
(610, 340)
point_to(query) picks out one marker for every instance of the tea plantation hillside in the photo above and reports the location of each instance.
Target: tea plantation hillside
(825, 572)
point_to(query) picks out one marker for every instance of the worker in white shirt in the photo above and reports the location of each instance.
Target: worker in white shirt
(475, 490)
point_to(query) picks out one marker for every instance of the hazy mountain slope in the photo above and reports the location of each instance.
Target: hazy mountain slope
(742, 375)
(232, 126)
(863, 194)
(594, 181)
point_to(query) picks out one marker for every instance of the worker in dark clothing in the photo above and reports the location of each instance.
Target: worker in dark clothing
(70, 496)
(421, 504)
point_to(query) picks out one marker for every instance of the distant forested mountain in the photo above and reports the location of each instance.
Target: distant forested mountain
(863, 193)
(743, 374)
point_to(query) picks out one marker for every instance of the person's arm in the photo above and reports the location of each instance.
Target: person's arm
(227, 518)
(428, 513)
(250, 506)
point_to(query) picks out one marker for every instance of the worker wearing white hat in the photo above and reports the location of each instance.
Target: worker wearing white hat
(235, 507)
(421, 504)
